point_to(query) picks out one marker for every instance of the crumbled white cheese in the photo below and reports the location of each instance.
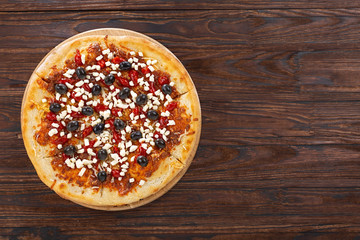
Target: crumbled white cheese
(171, 122)
(151, 68)
(106, 51)
(82, 171)
(53, 132)
(133, 148)
(79, 164)
(148, 151)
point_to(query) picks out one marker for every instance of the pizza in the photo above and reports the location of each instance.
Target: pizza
(110, 122)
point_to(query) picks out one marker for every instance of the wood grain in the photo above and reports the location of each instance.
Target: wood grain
(279, 151)
(51, 5)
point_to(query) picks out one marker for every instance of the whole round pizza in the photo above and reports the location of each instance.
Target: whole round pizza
(110, 121)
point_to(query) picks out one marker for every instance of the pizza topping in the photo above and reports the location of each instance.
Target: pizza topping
(80, 72)
(171, 123)
(61, 88)
(160, 143)
(166, 89)
(109, 79)
(55, 107)
(171, 106)
(87, 111)
(136, 135)
(119, 124)
(96, 90)
(53, 132)
(163, 80)
(69, 73)
(142, 161)
(124, 93)
(125, 65)
(141, 99)
(99, 128)
(153, 115)
(102, 176)
(70, 150)
(78, 60)
(102, 154)
(72, 126)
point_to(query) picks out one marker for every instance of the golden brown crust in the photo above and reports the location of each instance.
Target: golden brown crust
(30, 118)
(185, 151)
(105, 199)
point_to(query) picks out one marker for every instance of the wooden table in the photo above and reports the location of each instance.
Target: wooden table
(279, 155)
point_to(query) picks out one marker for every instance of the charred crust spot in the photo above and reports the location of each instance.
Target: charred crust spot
(52, 185)
(196, 119)
(62, 186)
(32, 106)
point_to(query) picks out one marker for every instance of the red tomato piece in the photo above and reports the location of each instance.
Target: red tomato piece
(72, 95)
(171, 106)
(92, 142)
(152, 87)
(78, 58)
(51, 116)
(142, 151)
(115, 173)
(163, 80)
(67, 80)
(87, 87)
(124, 82)
(61, 140)
(159, 135)
(134, 75)
(145, 70)
(76, 114)
(115, 110)
(61, 127)
(116, 149)
(111, 123)
(86, 132)
(163, 121)
(64, 156)
(117, 136)
(117, 60)
(101, 63)
(135, 111)
(100, 107)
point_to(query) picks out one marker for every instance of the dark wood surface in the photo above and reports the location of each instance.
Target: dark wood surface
(279, 155)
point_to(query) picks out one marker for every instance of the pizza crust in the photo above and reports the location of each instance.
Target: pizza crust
(31, 113)
(186, 149)
(162, 179)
